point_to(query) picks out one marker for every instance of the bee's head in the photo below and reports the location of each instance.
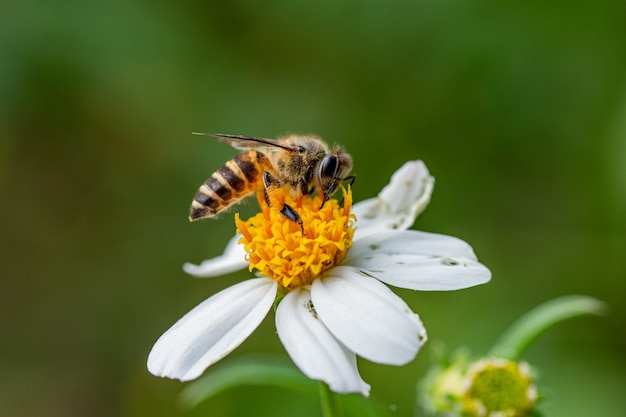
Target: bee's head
(331, 171)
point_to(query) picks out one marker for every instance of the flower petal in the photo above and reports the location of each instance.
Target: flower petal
(418, 261)
(399, 203)
(313, 348)
(367, 317)
(233, 259)
(212, 330)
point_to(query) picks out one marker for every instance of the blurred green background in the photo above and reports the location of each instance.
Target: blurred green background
(519, 111)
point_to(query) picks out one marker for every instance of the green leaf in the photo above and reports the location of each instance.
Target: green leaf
(270, 370)
(266, 370)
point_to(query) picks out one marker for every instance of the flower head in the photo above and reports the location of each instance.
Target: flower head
(279, 249)
(336, 305)
(499, 387)
(487, 387)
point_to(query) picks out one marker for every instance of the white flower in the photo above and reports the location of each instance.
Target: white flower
(327, 320)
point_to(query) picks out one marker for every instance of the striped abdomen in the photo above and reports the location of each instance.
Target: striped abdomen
(235, 180)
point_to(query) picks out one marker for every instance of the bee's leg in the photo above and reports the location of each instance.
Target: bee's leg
(305, 187)
(274, 194)
(267, 198)
(275, 197)
(292, 215)
(329, 191)
(305, 181)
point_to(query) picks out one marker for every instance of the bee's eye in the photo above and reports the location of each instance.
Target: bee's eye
(328, 167)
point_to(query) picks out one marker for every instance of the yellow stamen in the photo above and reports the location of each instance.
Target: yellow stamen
(277, 247)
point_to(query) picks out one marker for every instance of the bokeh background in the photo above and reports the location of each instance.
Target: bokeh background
(519, 110)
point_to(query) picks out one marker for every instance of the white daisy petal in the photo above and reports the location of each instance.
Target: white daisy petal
(233, 259)
(212, 330)
(367, 317)
(418, 261)
(399, 203)
(313, 348)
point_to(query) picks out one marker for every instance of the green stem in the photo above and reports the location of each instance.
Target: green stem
(514, 342)
(330, 404)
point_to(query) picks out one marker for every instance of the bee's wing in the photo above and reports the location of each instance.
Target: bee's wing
(246, 143)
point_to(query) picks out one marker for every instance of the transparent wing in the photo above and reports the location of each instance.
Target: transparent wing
(246, 143)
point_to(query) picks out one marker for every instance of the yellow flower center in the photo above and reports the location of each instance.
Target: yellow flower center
(293, 256)
(500, 387)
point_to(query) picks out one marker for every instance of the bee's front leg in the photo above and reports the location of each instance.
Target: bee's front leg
(275, 197)
(305, 181)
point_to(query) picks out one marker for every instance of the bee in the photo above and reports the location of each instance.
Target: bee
(294, 164)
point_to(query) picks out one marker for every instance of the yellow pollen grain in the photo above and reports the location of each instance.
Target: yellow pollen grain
(278, 248)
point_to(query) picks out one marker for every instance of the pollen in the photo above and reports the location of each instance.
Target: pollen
(292, 255)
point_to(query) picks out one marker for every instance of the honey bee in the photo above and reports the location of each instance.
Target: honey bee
(295, 164)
